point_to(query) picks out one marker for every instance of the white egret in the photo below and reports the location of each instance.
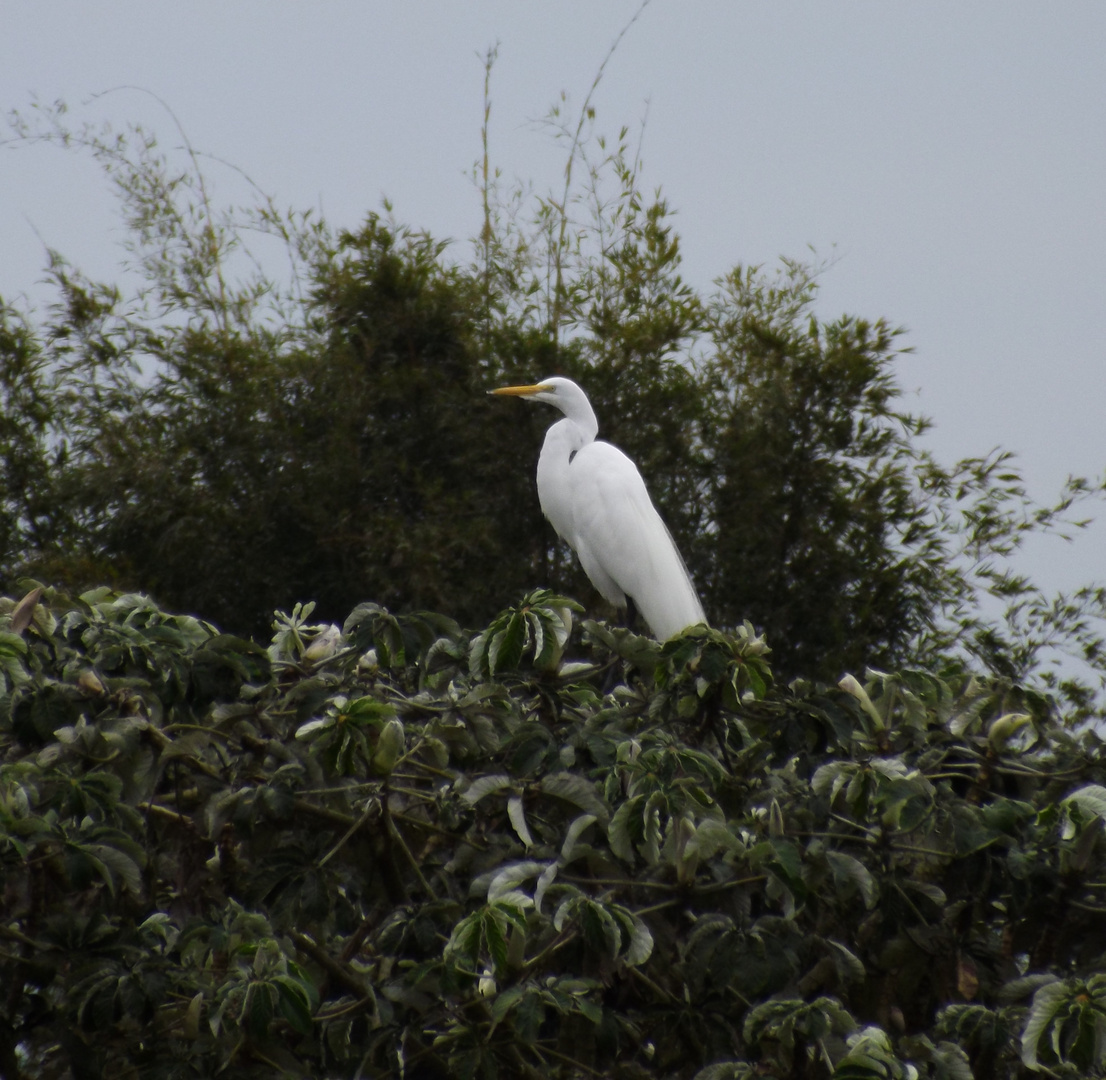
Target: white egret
(595, 498)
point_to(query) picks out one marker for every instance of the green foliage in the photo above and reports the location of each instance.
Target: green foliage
(1066, 1026)
(548, 848)
(539, 626)
(814, 478)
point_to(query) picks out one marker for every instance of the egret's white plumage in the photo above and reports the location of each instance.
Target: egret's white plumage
(595, 498)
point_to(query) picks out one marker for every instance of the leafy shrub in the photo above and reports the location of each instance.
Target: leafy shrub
(549, 848)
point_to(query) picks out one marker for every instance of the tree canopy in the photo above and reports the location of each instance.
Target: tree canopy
(234, 442)
(550, 848)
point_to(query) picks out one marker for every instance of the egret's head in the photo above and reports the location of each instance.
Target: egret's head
(546, 390)
(561, 393)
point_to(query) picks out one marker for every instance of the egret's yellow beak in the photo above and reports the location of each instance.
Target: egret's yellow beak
(521, 391)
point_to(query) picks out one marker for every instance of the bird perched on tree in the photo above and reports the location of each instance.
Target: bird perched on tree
(595, 498)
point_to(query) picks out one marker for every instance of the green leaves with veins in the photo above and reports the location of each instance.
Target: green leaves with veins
(538, 629)
(463, 845)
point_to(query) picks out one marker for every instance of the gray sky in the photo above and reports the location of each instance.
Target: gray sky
(949, 157)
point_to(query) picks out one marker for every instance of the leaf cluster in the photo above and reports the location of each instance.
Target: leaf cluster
(547, 848)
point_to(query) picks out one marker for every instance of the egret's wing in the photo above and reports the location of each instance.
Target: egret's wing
(624, 545)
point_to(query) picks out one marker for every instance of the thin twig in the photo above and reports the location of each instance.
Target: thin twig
(397, 836)
(362, 820)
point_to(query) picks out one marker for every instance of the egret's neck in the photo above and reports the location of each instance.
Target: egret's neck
(578, 410)
(562, 441)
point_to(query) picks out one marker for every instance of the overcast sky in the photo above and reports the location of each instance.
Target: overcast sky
(949, 157)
